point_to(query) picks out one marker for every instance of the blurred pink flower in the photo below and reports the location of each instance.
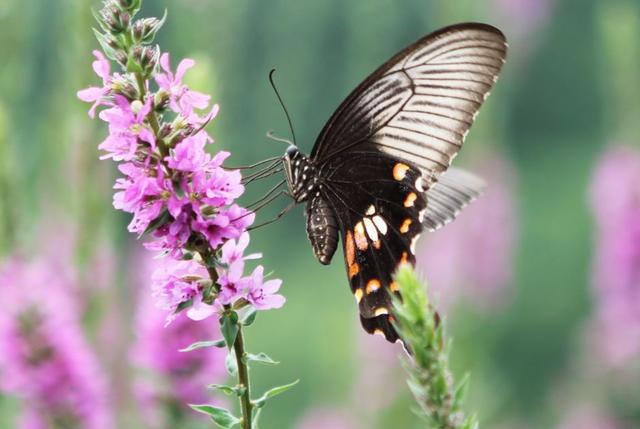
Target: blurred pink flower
(615, 202)
(586, 417)
(44, 357)
(471, 259)
(327, 419)
(522, 17)
(382, 375)
(167, 377)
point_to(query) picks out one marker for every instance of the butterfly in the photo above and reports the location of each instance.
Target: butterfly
(379, 173)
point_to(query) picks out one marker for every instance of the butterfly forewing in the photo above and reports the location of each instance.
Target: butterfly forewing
(388, 143)
(420, 104)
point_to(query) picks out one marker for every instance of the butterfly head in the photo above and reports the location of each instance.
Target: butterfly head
(300, 174)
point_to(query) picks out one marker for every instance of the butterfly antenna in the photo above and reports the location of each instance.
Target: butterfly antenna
(286, 112)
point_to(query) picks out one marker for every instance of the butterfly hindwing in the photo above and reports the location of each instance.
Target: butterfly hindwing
(379, 203)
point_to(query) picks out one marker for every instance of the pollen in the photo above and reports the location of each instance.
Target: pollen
(400, 171)
(404, 228)
(380, 311)
(372, 286)
(410, 200)
(358, 294)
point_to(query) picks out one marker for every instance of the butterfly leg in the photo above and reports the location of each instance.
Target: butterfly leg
(275, 219)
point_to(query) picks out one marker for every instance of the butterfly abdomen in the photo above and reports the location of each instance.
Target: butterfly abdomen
(322, 229)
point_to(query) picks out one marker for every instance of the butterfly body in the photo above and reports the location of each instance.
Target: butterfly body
(379, 173)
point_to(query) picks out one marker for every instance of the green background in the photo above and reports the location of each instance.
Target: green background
(570, 87)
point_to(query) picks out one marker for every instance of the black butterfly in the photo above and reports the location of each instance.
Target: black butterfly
(379, 171)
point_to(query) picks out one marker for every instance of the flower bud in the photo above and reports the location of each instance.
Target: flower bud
(161, 100)
(114, 20)
(144, 30)
(166, 130)
(121, 58)
(131, 6)
(123, 85)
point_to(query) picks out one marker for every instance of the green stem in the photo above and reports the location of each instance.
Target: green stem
(153, 119)
(238, 347)
(243, 380)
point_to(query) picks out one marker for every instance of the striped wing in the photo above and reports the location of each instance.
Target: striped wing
(419, 105)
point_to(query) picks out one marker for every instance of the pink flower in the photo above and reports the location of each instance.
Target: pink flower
(189, 155)
(263, 295)
(169, 378)
(588, 417)
(181, 99)
(233, 251)
(94, 94)
(232, 285)
(176, 283)
(126, 128)
(44, 357)
(615, 202)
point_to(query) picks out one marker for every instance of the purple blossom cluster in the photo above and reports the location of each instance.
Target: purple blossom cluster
(179, 194)
(167, 378)
(44, 357)
(615, 203)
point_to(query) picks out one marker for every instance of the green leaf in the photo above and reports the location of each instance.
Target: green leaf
(220, 416)
(103, 39)
(256, 412)
(461, 391)
(231, 364)
(203, 344)
(229, 328)
(250, 317)
(228, 390)
(273, 392)
(259, 358)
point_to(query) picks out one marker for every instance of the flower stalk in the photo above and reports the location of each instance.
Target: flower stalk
(430, 379)
(181, 197)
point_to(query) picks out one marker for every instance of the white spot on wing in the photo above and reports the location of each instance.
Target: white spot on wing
(380, 224)
(372, 232)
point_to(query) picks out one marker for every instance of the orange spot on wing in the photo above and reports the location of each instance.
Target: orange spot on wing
(400, 171)
(411, 198)
(380, 311)
(405, 258)
(358, 294)
(404, 228)
(372, 286)
(394, 286)
(354, 269)
(350, 248)
(377, 244)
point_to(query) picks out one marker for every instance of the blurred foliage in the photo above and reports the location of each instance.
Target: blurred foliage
(568, 89)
